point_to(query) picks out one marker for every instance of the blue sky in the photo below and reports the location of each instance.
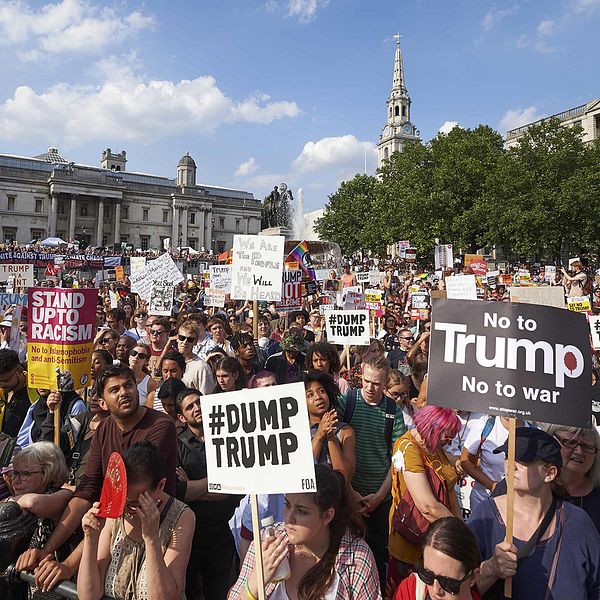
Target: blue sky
(264, 91)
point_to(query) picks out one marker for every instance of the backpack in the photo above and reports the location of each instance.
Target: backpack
(390, 415)
(487, 429)
(588, 286)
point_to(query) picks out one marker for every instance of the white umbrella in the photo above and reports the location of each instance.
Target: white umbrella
(53, 242)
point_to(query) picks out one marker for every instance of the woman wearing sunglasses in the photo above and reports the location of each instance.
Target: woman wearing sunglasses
(107, 339)
(138, 361)
(580, 474)
(449, 566)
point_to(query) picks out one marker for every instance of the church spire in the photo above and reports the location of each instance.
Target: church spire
(398, 83)
(399, 129)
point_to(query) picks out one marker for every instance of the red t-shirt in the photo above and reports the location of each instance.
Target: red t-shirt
(407, 590)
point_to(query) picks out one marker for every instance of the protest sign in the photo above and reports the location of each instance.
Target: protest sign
(257, 264)
(543, 295)
(311, 288)
(505, 279)
(479, 267)
(161, 269)
(549, 273)
(594, 322)
(322, 274)
(220, 277)
(376, 277)
(514, 360)
(419, 314)
(22, 275)
(410, 255)
(214, 297)
(437, 294)
(373, 299)
(291, 291)
(471, 258)
(258, 441)
(524, 277)
(461, 287)
(60, 332)
(161, 298)
(491, 278)
(443, 256)
(136, 263)
(402, 246)
(362, 277)
(114, 299)
(11, 313)
(119, 273)
(579, 304)
(348, 327)
(352, 299)
(419, 300)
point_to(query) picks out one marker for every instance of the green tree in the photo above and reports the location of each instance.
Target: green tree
(437, 190)
(346, 214)
(542, 200)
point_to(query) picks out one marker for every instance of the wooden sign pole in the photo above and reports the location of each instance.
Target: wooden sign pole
(260, 575)
(510, 493)
(255, 319)
(348, 357)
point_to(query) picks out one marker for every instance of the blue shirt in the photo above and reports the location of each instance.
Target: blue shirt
(578, 568)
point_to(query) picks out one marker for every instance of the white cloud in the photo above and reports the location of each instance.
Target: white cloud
(303, 10)
(517, 117)
(334, 152)
(495, 15)
(448, 126)
(546, 27)
(586, 6)
(127, 106)
(319, 169)
(247, 168)
(67, 26)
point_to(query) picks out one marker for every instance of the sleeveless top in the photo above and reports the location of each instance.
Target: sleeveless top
(126, 573)
(142, 387)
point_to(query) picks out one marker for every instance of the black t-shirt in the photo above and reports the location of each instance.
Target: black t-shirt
(15, 411)
(596, 401)
(191, 457)
(589, 503)
(397, 357)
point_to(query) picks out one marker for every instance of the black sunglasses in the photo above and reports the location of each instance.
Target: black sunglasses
(183, 338)
(448, 584)
(141, 355)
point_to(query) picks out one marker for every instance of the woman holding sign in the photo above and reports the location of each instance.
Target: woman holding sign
(555, 543)
(322, 537)
(139, 358)
(142, 554)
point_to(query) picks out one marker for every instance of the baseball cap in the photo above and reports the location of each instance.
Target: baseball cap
(533, 444)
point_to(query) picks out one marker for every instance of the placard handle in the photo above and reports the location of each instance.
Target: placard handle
(510, 494)
(260, 574)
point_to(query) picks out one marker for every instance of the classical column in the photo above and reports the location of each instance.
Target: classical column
(184, 227)
(201, 226)
(72, 215)
(175, 226)
(52, 215)
(118, 222)
(209, 231)
(100, 222)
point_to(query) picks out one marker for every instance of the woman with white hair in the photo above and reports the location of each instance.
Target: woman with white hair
(580, 474)
(38, 474)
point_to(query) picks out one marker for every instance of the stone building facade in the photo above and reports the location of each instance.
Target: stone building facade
(50, 196)
(587, 115)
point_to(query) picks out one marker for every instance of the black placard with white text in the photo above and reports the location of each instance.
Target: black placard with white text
(516, 360)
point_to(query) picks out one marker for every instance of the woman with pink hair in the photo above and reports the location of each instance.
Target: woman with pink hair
(422, 487)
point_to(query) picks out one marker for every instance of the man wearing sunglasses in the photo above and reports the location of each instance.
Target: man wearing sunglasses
(159, 344)
(198, 375)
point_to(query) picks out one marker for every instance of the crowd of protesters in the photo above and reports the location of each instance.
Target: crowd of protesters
(378, 448)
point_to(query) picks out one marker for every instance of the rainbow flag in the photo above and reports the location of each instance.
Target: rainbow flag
(301, 255)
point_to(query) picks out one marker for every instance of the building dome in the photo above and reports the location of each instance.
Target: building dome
(187, 161)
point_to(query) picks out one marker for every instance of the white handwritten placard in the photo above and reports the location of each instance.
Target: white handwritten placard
(256, 267)
(161, 269)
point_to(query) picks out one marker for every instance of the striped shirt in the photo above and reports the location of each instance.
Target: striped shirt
(373, 456)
